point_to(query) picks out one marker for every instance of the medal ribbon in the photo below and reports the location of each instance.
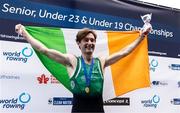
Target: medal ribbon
(87, 75)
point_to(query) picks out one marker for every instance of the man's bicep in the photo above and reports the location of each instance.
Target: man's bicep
(58, 56)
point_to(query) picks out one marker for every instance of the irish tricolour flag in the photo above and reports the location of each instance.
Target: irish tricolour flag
(130, 73)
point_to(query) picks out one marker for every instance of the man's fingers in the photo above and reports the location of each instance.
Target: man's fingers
(18, 29)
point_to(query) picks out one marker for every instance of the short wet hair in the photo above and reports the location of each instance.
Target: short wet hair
(83, 33)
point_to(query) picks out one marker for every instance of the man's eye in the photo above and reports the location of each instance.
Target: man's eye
(87, 40)
(92, 40)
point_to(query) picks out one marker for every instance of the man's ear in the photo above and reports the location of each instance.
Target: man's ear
(77, 42)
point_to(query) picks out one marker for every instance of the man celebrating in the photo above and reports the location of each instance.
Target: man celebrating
(87, 93)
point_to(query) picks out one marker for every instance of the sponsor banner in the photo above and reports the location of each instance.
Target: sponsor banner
(164, 68)
(163, 34)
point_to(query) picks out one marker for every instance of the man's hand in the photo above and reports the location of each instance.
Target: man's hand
(146, 29)
(19, 29)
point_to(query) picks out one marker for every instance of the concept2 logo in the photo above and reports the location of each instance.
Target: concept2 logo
(21, 56)
(16, 103)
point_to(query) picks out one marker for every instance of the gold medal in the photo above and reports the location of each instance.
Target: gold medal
(87, 90)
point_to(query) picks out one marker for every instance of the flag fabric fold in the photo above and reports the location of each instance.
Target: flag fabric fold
(130, 73)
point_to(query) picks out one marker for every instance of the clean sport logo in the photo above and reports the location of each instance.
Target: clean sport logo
(60, 101)
(17, 56)
(16, 103)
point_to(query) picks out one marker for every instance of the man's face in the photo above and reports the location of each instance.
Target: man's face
(87, 44)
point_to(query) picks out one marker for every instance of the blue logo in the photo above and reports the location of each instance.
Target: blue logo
(175, 67)
(175, 101)
(158, 83)
(27, 52)
(151, 102)
(16, 103)
(60, 101)
(153, 65)
(24, 98)
(156, 99)
(155, 82)
(178, 84)
(21, 56)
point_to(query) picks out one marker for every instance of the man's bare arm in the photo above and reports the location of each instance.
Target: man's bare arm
(53, 54)
(124, 52)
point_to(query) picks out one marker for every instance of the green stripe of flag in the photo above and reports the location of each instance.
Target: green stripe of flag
(52, 38)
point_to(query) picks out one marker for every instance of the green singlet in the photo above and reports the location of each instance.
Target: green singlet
(78, 80)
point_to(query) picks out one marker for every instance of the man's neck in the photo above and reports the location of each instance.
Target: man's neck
(87, 58)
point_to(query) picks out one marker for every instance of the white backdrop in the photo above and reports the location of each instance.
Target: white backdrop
(21, 91)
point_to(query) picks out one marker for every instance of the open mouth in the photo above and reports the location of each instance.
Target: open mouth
(89, 47)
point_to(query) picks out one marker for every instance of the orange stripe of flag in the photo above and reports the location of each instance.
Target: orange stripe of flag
(131, 72)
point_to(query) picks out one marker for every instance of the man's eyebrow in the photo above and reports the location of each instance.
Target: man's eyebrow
(89, 37)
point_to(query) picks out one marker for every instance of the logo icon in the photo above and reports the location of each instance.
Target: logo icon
(27, 52)
(155, 82)
(151, 102)
(153, 65)
(156, 99)
(43, 79)
(24, 98)
(50, 101)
